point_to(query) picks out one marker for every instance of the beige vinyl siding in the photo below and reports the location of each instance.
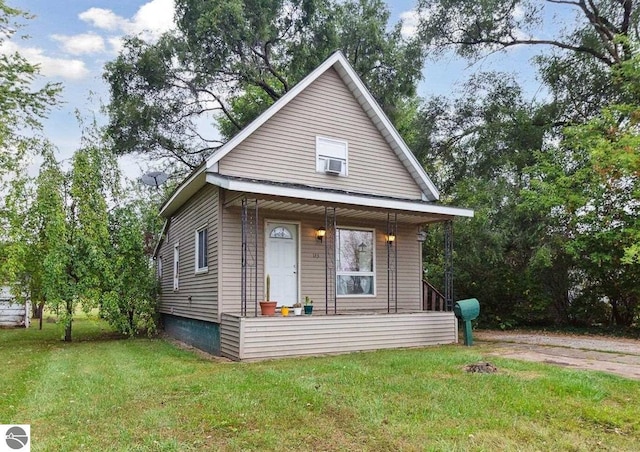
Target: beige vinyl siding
(275, 337)
(197, 296)
(230, 336)
(231, 262)
(284, 148)
(312, 265)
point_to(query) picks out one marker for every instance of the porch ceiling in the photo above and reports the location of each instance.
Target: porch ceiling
(315, 208)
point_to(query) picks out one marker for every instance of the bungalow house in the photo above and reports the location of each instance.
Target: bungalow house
(321, 193)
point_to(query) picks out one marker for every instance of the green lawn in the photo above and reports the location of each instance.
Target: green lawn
(102, 393)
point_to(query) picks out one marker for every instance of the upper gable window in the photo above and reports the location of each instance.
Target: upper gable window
(332, 156)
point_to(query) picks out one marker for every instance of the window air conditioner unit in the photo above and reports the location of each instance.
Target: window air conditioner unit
(333, 166)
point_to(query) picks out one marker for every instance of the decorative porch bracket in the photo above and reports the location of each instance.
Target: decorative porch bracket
(392, 262)
(330, 259)
(249, 275)
(448, 264)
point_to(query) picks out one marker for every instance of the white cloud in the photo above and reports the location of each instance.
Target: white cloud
(410, 20)
(66, 68)
(150, 21)
(117, 43)
(102, 18)
(154, 18)
(81, 44)
(518, 13)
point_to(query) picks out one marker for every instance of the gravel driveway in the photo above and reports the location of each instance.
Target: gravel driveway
(616, 356)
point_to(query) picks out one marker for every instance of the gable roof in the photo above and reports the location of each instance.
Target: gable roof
(351, 79)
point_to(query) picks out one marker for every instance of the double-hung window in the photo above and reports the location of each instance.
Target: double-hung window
(176, 266)
(355, 256)
(202, 258)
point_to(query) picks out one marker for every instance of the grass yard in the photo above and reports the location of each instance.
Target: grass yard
(102, 393)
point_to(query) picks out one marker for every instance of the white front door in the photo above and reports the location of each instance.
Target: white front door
(281, 262)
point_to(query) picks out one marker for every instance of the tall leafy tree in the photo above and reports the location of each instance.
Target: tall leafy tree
(229, 60)
(590, 192)
(129, 304)
(21, 104)
(47, 258)
(549, 214)
(88, 270)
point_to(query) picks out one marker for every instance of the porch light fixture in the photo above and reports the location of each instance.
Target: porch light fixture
(390, 238)
(421, 236)
(320, 233)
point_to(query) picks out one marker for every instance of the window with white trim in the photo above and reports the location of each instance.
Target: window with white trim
(355, 262)
(202, 246)
(329, 152)
(176, 266)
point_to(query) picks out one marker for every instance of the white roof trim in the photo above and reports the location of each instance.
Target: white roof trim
(388, 131)
(161, 238)
(342, 198)
(168, 204)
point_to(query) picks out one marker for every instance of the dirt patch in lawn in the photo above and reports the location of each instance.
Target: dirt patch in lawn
(612, 355)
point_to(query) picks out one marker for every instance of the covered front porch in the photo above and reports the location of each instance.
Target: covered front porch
(393, 308)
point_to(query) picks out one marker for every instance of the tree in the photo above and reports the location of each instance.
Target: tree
(544, 256)
(591, 190)
(130, 303)
(88, 271)
(21, 106)
(478, 147)
(47, 257)
(230, 60)
(474, 28)
(576, 67)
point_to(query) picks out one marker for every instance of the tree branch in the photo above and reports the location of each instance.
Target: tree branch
(562, 45)
(271, 69)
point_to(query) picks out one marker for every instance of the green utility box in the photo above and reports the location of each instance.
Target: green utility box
(467, 310)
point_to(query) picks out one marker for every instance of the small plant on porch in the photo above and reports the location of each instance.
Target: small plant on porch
(297, 308)
(268, 307)
(308, 306)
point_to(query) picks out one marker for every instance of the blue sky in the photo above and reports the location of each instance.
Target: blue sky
(72, 40)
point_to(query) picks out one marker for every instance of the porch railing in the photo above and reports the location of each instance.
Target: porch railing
(432, 299)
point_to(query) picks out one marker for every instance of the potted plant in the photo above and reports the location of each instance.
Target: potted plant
(268, 307)
(284, 311)
(297, 308)
(308, 306)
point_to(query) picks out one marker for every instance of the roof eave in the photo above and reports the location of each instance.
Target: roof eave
(194, 182)
(261, 188)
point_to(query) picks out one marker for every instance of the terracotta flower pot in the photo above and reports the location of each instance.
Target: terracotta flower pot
(268, 308)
